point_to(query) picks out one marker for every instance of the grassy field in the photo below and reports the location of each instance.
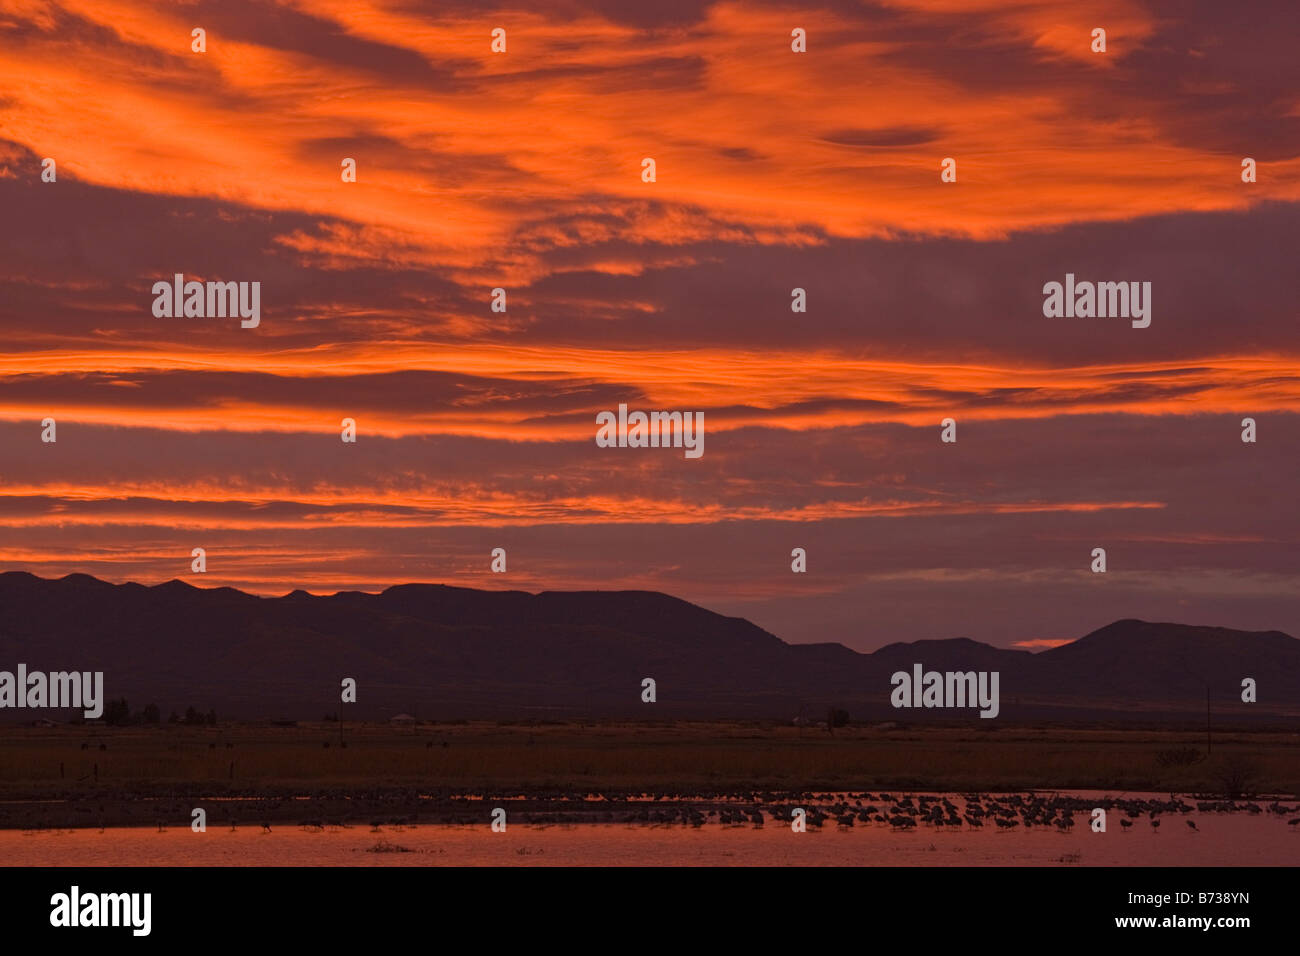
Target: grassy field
(491, 758)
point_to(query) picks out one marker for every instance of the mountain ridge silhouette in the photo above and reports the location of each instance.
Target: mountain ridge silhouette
(450, 652)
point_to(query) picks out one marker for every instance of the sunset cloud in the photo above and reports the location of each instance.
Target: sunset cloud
(775, 171)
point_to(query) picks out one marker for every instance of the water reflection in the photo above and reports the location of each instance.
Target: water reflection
(1200, 838)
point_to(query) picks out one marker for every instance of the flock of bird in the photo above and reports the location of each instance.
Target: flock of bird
(907, 811)
(898, 811)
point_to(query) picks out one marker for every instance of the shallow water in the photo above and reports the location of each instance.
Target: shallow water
(1222, 839)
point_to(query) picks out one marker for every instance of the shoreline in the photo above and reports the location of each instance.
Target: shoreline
(400, 807)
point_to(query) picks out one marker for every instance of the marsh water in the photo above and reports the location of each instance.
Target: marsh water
(1219, 839)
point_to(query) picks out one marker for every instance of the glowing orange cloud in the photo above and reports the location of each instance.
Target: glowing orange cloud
(746, 134)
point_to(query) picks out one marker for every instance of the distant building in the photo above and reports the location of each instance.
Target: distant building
(405, 719)
(42, 722)
(802, 721)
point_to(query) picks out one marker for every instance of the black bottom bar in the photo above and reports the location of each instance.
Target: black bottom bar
(665, 907)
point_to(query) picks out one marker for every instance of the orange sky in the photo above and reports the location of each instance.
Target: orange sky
(775, 170)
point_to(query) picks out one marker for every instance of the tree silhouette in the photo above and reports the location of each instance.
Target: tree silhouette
(117, 712)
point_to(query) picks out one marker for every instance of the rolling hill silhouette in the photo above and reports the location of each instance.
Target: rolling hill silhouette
(450, 652)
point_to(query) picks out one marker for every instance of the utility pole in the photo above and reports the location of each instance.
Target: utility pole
(1209, 741)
